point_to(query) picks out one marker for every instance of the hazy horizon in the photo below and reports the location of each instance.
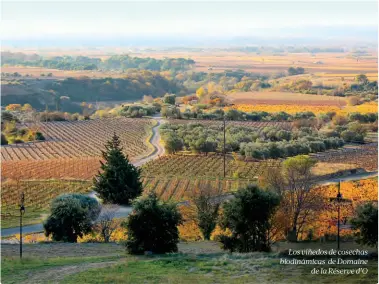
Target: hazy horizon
(94, 23)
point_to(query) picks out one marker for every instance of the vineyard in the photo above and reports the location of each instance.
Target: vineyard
(205, 166)
(82, 139)
(363, 156)
(291, 109)
(356, 192)
(252, 124)
(178, 188)
(38, 196)
(165, 166)
(84, 168)
(371, 107)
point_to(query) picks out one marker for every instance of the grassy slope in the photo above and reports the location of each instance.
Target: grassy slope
(199, 262)
(219, 268)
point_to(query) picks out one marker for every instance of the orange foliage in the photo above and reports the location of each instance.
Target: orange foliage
(371, 107)
(291, 109)
(13, 107)
(357, 192)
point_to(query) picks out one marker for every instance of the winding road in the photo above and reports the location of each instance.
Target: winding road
(122, 211)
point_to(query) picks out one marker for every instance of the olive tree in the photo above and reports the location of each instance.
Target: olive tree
(72, 216)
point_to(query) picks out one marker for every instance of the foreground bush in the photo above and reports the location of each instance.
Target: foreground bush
(72, 216)
(366, 221)
(152, 226)
(248, 217)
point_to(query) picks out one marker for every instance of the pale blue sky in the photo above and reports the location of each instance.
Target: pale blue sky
(29, 19)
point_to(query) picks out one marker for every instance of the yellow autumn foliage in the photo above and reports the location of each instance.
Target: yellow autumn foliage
(371, 107)
(355, 192)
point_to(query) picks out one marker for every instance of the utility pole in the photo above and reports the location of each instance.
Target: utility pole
(22, 211)
(224, 146)
(339, 199)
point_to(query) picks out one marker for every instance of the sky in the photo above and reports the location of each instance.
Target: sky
(101, 19)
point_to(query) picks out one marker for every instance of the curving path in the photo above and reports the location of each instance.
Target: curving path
(155, 141)
(122, 211)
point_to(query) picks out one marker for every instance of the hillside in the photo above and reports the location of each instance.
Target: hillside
(69, 92)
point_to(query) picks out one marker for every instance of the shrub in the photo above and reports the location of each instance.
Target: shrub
(350, 136)
(4, 140)
(366, 221)
(169, 99)
(248, 217)
(353, 101)
(39, 136)
(152, 226)
(71, 216)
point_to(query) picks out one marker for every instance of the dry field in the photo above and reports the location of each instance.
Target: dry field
(334, 63)
(285, 98)
(82, 139)
(323, 65)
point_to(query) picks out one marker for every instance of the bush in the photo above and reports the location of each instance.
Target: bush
(152, 226)
(4, 140)
(350, 136)
(248, 217)
(71, 216)
(39, 136)
(366, 221)
(169, 99)
(88, 203)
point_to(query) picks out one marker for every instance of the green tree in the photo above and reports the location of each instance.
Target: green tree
(173, 144)
(119, 180)
(248, 216)
(366, 221)
(295, 71)
(152, 226)
(4, 140)
(361, 79)
(169, 99)
(71, 217)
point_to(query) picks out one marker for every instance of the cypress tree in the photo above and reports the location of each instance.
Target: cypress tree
(118, 182)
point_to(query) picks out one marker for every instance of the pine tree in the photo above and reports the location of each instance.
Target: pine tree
(119, 181)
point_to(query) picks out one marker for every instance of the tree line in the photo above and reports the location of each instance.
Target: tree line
(269, 142)
(114, 62)
(63, 94)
